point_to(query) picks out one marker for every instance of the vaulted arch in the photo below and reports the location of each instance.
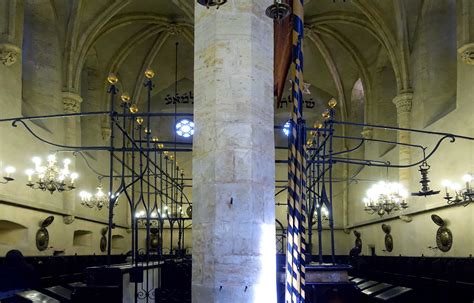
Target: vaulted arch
(126, 48)
(379, 31)
(85, 41)
(147, 61)
(134, 18)
(71, 40)
(355, 55)
(396, 54)
(326, 54)
(155, 21)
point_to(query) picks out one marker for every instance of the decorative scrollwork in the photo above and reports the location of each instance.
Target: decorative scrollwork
(174, 29)
(9, 54)
(467, 54)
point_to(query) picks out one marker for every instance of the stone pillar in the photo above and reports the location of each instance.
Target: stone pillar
(11, 40)
(105, 130)
(403, 103)
(233, 155)
(72, 104)
(11, 29)
(465, 30)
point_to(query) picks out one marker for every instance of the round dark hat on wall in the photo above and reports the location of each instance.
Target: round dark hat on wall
(104, 230)
(42, 235)
(47, 222)
(103, 239)
(386, 228)
(444, 239)
(437, 220)
(42, 239)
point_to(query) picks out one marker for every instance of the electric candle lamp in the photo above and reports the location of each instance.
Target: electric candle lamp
(9, 170)
(467, 179)
(29, 173)
(74, 176)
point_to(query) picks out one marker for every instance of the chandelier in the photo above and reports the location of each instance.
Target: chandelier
(209, 3)
(143, 221)
(461, 196)
(9, 170)
(384, 197)
(51, 177)
(324, 213)
(425, 188)
(98, 200)
(157, 214)
(278, 10)
(175, 212)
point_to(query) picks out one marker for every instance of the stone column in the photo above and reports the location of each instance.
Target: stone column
(11, 31)
(367, 132)
(11, 40)
(403, 103)
(105, 130)
(72, 104)
(233, 155)
(465, 30)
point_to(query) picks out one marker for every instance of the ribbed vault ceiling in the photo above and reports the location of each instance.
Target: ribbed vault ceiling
(345, 40)
(131, 29)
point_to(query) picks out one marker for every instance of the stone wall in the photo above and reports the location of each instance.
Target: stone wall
(446, 91)
(32, 85)
(34, 80)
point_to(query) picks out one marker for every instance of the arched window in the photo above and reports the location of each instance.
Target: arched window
(356, 110)
(357, 107)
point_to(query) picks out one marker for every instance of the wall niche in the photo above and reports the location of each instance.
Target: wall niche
(12, 233)
(82, 238)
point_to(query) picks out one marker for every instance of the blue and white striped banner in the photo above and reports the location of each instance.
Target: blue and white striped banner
(295, 255)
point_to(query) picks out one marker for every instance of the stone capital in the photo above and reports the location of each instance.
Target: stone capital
(467, 53)
(68, 219)
(106, 132)
(9, 53)
(308, 29)
(403, 102)
(71, 102)
(367, 132)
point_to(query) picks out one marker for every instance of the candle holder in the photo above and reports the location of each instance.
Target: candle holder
(459, 195)
(425, 189)
(383, 198)
(51, 177)
(9, 170)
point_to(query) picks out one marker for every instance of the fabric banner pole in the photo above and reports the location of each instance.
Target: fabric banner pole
(295, 269)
